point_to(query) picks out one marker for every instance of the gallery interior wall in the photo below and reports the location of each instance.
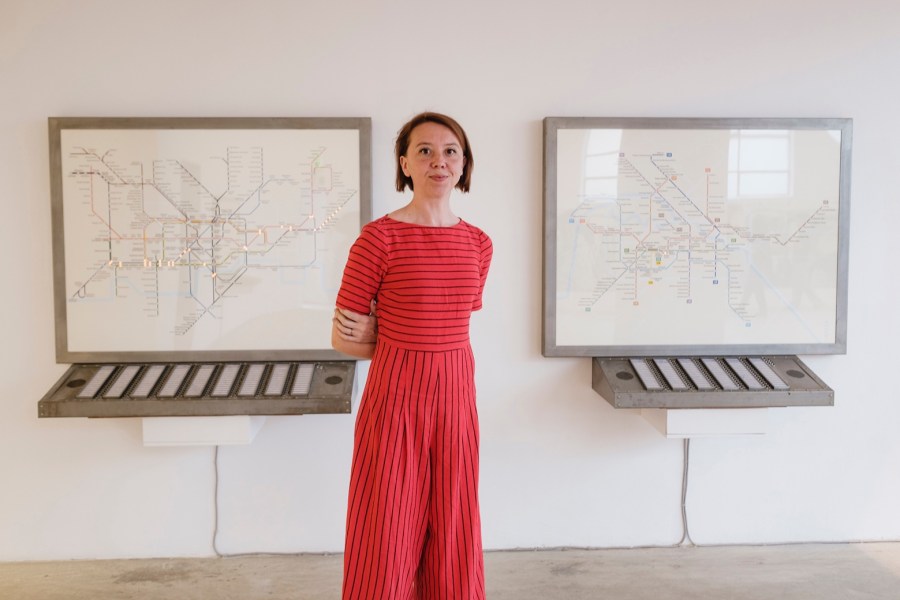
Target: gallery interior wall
(560, 466)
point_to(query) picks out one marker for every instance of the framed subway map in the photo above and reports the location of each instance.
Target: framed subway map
(203, 238)
(695, 236)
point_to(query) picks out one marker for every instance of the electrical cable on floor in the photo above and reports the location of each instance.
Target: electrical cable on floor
(685, 536)
(216, 504)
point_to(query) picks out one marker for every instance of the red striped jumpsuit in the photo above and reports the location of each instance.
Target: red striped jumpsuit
(413, 523)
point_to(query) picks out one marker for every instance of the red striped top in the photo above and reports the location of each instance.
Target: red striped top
(426, 281)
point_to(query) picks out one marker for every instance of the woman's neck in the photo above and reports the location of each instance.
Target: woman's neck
(435, 213)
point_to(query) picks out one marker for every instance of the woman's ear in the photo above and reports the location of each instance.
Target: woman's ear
(403, 163)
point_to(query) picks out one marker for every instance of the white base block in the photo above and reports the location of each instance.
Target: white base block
(201, 431)
(702, 422)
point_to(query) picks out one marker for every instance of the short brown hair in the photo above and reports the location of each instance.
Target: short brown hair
(402, 145)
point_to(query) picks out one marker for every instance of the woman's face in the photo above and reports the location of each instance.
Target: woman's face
(434, 160)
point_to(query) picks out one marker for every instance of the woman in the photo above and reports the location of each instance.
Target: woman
(413, 524)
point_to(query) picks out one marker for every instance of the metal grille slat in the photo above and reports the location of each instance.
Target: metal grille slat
(719, 373)
(645, 374)
(277, 379)
(252, 378)
(741, 370)
(148, 381)
(302, 379)
(768, 374)
(673, 377)
(225, 382)
(701, 381)
(199, 381)
(173, 382)
(123, 380)
(96, 382)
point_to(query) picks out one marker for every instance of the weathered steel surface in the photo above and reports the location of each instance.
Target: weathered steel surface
(618, 382)
(330, 390)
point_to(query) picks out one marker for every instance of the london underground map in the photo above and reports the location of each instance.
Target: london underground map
(206, 239)
(673, 237)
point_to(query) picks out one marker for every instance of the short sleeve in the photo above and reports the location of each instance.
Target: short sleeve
(486, 254)
(364, 271)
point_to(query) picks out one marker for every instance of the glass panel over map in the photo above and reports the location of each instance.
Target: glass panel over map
(218, 239)
(709, 237)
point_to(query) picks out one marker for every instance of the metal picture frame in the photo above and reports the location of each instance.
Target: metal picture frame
(679, 233)
(319, 168)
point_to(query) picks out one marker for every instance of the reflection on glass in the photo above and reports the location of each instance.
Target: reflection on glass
(706, 236)
(601, 163)
(760, 163)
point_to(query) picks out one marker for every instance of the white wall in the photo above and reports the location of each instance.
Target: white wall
(560, 467)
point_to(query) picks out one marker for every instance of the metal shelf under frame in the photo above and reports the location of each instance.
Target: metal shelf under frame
(708, 382)
(201, 389)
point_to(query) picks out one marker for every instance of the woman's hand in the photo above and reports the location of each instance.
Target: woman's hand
(355, 327)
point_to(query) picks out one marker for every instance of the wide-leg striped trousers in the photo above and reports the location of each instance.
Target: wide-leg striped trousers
(413, 524)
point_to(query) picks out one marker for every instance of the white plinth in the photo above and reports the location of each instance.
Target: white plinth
(704, 422)
(201, 431)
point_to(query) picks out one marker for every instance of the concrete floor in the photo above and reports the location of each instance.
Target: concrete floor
(808, 572)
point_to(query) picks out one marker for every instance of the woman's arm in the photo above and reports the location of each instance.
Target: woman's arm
(353, 333)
